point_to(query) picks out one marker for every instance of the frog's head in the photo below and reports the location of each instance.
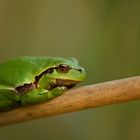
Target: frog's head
(64, 72)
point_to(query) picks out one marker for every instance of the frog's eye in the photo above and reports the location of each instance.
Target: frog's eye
(63, 68)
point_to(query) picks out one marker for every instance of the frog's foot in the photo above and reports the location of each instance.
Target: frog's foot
(41, 95)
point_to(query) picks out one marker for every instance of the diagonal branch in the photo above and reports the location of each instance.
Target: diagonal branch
(77, 99)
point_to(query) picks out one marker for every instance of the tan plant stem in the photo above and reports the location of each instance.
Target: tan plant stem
(77, 99)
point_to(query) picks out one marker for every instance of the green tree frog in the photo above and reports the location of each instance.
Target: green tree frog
(31, 80)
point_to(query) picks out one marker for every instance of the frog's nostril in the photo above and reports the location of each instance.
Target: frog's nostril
(80, 70)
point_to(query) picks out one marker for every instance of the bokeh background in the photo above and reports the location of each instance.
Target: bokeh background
(103, 35)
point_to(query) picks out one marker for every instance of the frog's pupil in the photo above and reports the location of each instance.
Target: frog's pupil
(63, 68)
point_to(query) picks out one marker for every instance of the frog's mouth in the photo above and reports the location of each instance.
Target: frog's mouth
(67, 83)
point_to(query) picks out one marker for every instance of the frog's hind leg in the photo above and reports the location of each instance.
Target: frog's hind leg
(8, 100)
(41, 95)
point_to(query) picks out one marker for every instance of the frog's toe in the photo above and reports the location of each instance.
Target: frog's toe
(63, 88)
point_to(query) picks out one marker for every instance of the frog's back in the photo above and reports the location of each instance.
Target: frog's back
(21, 70)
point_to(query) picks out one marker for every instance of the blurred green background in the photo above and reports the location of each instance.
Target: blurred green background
(103, 35)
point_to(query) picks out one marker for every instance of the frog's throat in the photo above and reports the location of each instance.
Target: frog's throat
(23, 89)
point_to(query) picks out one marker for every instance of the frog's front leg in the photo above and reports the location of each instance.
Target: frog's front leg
(41, 95)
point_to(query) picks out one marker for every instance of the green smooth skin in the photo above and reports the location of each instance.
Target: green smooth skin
(23, 70)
